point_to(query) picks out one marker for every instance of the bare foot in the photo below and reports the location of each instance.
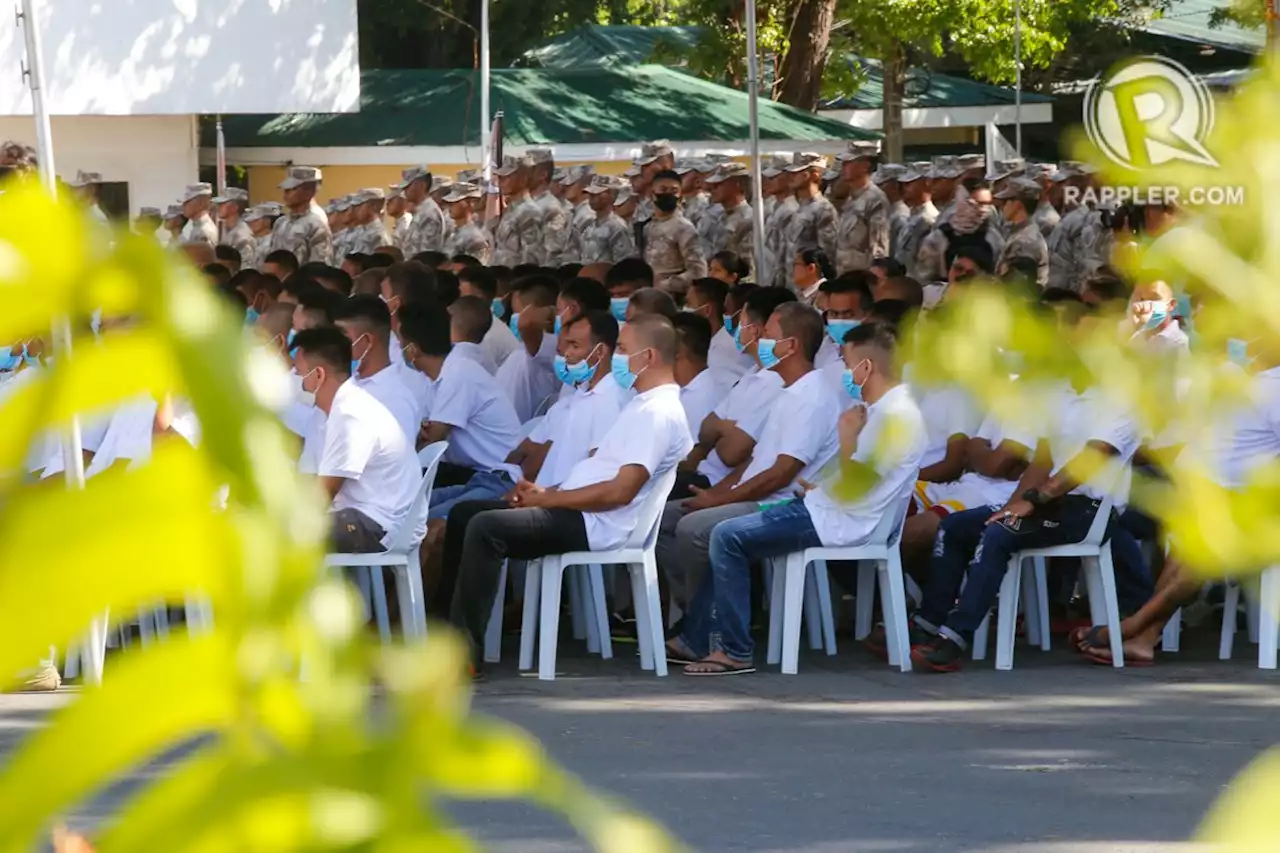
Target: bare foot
(678, 652)
(718, 663)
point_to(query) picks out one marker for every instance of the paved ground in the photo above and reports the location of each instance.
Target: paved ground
(1055, 756)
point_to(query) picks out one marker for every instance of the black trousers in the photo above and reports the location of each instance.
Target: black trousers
(479, 535)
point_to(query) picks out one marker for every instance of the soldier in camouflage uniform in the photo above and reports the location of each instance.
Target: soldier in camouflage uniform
(1020, 196)
(467, 238)
(654, 157)
(577, 208)
(171, 226)
(777, 183)
(427, 230)
(1070, 244)
(517, 235)
(259, 219)
(304, 230)
(886, 177)
(555, 223)
(1046, 215)
(816, 222)
(370, 232)
(943, 177)
(915, 194)
(735, 225)
(147, 222)
(231, 207)
(671, 245)
(338, 211)
(624, 204)
(440, 186)
(694, 198)
(196, 202)
(401, 215)
(607, 237)
(863, 228)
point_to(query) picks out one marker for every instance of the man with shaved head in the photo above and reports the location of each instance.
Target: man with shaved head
(597, 506)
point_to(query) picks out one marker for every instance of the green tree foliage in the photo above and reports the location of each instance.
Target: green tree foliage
(274, 762)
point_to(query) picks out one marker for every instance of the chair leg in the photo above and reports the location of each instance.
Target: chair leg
(549, 626)
(1251, 613)
(1042, 601)
(587, 608)
(1030, 611)
(1171, 639)
(864, 604)
(413, 597)
(980, 638)
(769, 570)
(529, 623)
(146, 631)
(577, 614)
(599, 613)
(493, 631)
(652, 603)
(650, 651)
(792, 605)
(162, 621)
(776, 575)
(71, 667)
(364, 583)
(1007, 613)
(96, 650)
(1268, 633)
(378, 585)
(1230, 609)
(893, 602)
(1111, 602)
(822, 580)
(809, 610)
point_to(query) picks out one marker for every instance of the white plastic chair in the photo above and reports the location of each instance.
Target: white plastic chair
(880, 557)
(1260, 615)
(543, 582)
(402, 557)
(1100, 580)
(1035, 609)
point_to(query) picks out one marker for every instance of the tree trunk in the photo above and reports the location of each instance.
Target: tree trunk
(806, 56)
(894, 65)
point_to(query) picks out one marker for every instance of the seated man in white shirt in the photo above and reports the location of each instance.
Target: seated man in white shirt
(316, 307)
(367, 324)
(595, 507)
(1152, 320)
(881, 443)
(469, 410)
(706, 298)
(366, 466)
(797, 438)
(471, 319)
(527, 375)
(499, 341)
(848, 305)
(726, 437)
(403, 284)
(701, 388)
(650, 300)
(623, 279)
(578, 296)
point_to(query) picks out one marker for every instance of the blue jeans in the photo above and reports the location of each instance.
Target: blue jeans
(483, 486)
(720, 614)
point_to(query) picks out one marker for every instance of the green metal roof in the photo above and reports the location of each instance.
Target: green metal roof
(541, 106)
(594, 45)
(1188, 20)
(925, 90)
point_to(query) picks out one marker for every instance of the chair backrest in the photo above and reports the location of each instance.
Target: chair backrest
(527, 428)
(895, 515)
(1098, 528)
(407, 534)
(649, 520)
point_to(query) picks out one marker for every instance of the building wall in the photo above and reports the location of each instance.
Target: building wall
(156, 155)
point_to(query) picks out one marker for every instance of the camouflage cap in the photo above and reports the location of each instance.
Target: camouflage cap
(725, 171)
(469, 176)
(806, 160)
(231, 194)
(965, 162)
(417, 173)
(395, 190)
(1066, 169)
(914, 172)
(194, 191)
(775, 164)
(272, 208)
(651, 151)
(538, 156)
(253, 214)
(173, 211)
(858, 148)
(369, 194)
(1036, 171)
(440, 182)
(85, 179)
(684, 167)
(624, 195)
(577, 174)
(1019, 188)
(887, 172)
(945, 166)
(608, 183)
(153, 212)
(460, 191)
(299, 175)
(632, 172)
(558, 174)
(1002, 169)
(511, 163)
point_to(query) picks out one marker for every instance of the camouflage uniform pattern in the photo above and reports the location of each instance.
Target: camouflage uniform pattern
(605, 241)
(899, 213)
(242, 240)
(735, 231)
(555, 229)
(914, 232)
(1046, 218)
(1026, 241)
(368, 238)
(932, 259)
(710, 230)
(401, 229)
(261, 248)
(305, 234)
(863, 229)
(428, 230)
(696, 207)
(673, 250)
(200, 230)
(471, 240)
(775, 243)
(1067, 250)
(517, 239)
(815, 223)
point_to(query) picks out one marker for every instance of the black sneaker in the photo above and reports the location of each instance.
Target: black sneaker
(940, 654)
(878, 645)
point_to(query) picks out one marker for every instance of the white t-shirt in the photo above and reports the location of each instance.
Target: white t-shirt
(993, 491)
(947, 410)
(747, 405)
(478, 354)
(500, 342)
(725, 357)
(575, 426)
(828, 353)
(527, 380)
(485, 427)
(418, 383)
(702, 395)
(130, 432)
(388, 387)
(802, 425)
(833, 376)
(365, 446)
(1248, 438)
(652, 432)
(893, 443)
(1091, 417)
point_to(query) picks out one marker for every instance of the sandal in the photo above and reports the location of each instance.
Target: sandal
(1083, 639)
(677, 657)
(720, 668)
(1102, 657)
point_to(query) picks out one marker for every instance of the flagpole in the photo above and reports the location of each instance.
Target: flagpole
(1017, 59)
(486, 159)
(222, 157)
(753, 107)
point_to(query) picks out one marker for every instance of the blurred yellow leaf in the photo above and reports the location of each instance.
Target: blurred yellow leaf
(1245, 819)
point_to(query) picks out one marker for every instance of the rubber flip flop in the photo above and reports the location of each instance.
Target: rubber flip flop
(1105, 660)
(721, 669)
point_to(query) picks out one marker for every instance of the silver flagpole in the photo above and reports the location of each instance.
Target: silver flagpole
(1017, 91)
(485, 153)
(753, 106)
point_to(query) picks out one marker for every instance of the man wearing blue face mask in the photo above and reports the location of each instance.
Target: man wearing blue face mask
(623, 279)
(366, 322)
(706, 298)
(499, 342)
(527, 376)
(846, 302)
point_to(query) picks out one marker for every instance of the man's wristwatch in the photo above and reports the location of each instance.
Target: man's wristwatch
(1036, 498)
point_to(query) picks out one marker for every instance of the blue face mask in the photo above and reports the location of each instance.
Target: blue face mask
(288, 342)
(851, 388)
(514, 325)
(9, 361)
(1159, 314)
(1238, 352)
(621, 369)
(728, 323)
(498, 308)
(572, 374)
(765, 349)
(559, 324)
(618, 308)
(250, 316)
(31, 360)
(737, 339)
(837, 329)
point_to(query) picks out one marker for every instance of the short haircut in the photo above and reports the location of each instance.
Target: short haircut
(1053, 295)
(763, 301)
(880, 337)
(284, 259)
(537, 290)
(235, 297)
(668, 175)
(852, 282)
(979, 253)
(803, 323)
(740, 291)
(604, 328)
(392, 252)
(431, 259)
(587, 293)
(481, 278)
(217, 272)
(427, 326)
(465, 260)
(818, 258)
(339, 278)
(315, 269)
(733, 264)
(447, 288)
(360, 259)
(380, 259)
(713, 290)
(298, 285)
(324, 302)
(1107, 285)
(277, 319)
(327, 345)
(522, 270)
(655, 332)
(1025, 270)
(412, 282)
(650, 300)
(369, 281)
(694, 335)
(892, 267)
(370, 310)
(224, 252)
(911, 290)
(250, 282)
(568, 272)
(472, 317)
(890, 312)
(633, 271)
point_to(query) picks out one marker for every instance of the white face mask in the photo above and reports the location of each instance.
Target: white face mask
(302, 395)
